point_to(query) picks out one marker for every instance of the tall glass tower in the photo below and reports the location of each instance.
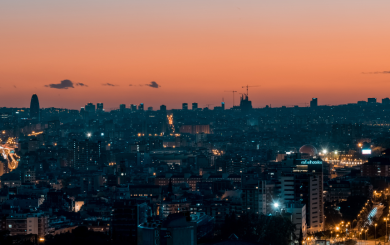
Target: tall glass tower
(34, 108)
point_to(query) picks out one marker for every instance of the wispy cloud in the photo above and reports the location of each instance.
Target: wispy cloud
(377, 72)
(109, 84)
(81, 84)
(153, 84)
(64, 84)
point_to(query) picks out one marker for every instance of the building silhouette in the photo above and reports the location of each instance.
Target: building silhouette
(34, 108)
(99, 107)
(245, 103)
(90, 108)
(314, 102)
(122, 108)
(163, 108)
(371, 100)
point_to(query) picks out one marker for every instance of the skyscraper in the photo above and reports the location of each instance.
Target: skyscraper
(122, 108)
(84, 154)
(194, 106)
(185, 106)
(141, 107)
(90, 108)
(34, 108)
(371, 100)
(163, 108)
(314, 102)
(99, 107)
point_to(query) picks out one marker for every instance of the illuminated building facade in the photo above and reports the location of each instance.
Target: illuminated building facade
(195, 129)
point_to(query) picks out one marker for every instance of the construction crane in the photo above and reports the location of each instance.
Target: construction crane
(233, 95)
(247, 89)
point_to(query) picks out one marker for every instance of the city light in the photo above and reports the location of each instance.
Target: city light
(324, 151)
(8, 153)
(276, 205)
(33, 133)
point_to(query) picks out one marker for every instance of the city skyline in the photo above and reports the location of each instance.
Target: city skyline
(190, 106)
(179, 52)
(194, 122)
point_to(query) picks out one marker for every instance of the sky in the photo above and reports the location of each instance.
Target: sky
(169, 52)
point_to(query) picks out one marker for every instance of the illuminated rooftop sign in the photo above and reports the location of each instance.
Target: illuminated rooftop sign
(366, 151)
(310, 162)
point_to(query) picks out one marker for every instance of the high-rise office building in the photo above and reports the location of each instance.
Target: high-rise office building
(184, 106)
(386, 101)
(90, 108)
(122, 108)
(34, 108)
(371, 100)
(141, 107)
(223, 105)
(99, 107)
(302, 181)
(194, 106)
(163, 108)
(314, 102)
(133, 107)
(84, 154)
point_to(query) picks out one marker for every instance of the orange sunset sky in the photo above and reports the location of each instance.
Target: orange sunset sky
(338, 51)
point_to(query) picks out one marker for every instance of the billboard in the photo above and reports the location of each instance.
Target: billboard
(366, 151)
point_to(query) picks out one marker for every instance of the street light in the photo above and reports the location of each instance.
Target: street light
(375, 230)
(386, 219)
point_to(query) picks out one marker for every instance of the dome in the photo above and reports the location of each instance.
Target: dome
(308, 149)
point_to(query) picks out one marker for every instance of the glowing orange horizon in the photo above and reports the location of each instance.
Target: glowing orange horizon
(294, 50)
